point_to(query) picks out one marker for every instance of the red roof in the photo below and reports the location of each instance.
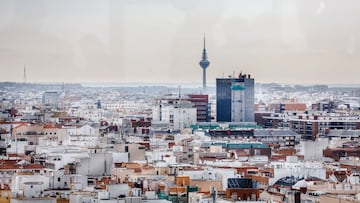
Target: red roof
(12, 165)
(295, 107)
(49, 125)
(21, 125)
(12, 122)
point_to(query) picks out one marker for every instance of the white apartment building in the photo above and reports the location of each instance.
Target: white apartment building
(292, 167)
(83, 130)
(178, 113)
(128, 106)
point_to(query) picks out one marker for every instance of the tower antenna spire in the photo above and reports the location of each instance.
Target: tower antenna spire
(204, 41)
(24, 74)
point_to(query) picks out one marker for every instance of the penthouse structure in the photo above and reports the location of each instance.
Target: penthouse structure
(272, 137)
(241, 149)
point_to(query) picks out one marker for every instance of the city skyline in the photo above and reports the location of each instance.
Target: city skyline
(293, 42)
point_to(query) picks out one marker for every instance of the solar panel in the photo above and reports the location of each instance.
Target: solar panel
(240, 183)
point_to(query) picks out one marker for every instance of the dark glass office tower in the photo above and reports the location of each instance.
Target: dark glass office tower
(223, 99)
(235, 99)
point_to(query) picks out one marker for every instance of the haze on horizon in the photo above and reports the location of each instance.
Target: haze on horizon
(160, 41)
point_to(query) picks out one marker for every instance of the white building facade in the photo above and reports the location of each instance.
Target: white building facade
(178, 113)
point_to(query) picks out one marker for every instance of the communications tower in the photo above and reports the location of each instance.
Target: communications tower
(204, 63)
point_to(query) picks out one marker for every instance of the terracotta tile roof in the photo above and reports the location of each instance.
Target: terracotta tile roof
(7, 162)
(12, 122)
(21, 125)
(34, 166)
(12, 165)
(14, 155)
(295, 107)
(49, 125)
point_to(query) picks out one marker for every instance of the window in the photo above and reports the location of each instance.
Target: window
(251, 172)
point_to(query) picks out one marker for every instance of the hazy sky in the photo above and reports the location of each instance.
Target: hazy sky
(289, 41)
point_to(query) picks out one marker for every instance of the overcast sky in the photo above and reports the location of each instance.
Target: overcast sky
(157, 41)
